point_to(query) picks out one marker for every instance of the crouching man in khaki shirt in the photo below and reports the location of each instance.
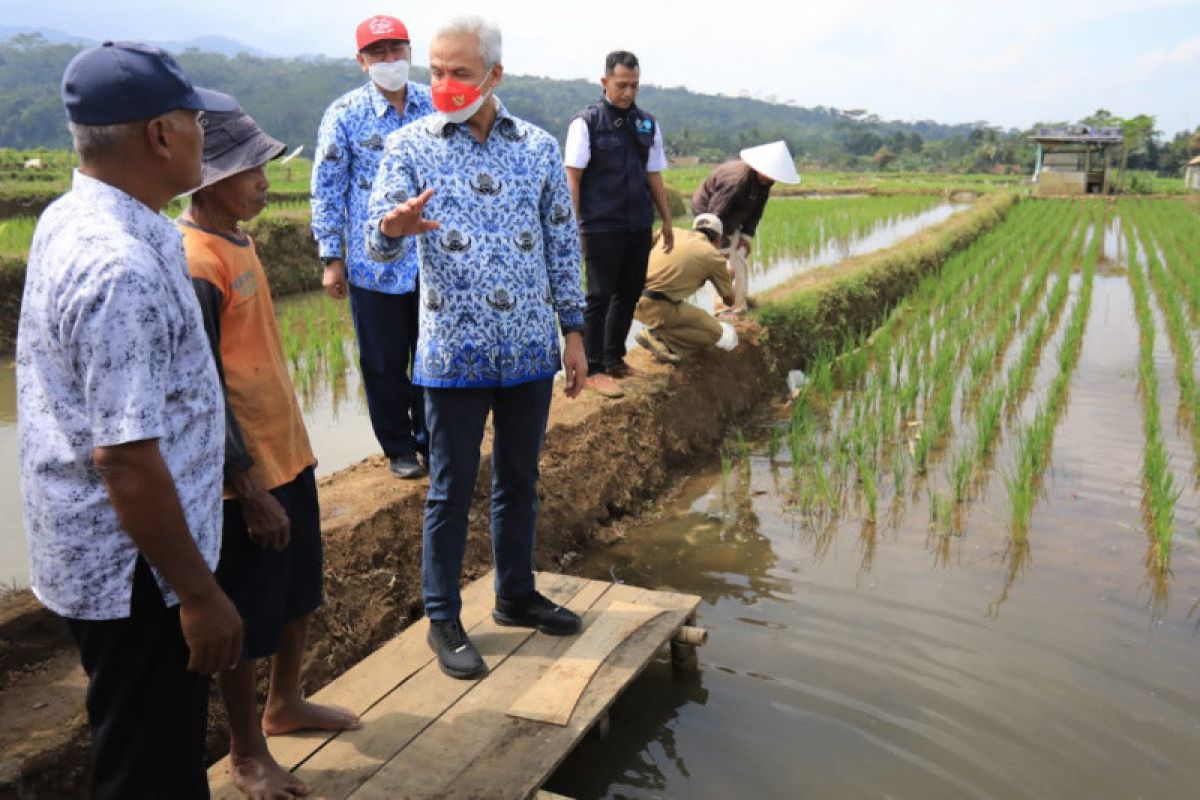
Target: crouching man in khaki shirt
(674, 327)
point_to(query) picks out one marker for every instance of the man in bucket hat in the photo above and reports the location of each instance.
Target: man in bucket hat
(674, 327)
(271, 547)
(383, 296)
(120, 425)
(737, 192)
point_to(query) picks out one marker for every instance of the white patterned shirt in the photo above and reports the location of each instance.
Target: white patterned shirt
(111, 349)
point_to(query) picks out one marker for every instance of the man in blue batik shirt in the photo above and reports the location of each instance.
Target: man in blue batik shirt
(482, 197)
(383, 296)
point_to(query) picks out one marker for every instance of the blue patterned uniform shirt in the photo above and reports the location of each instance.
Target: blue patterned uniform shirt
(349, 147)
(505, 261)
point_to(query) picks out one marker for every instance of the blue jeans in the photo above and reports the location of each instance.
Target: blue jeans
(456, 419)
(386, 328)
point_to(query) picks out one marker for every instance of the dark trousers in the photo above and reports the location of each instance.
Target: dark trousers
(386, 327)
(456, 419)
(616, 275)
(146, 711)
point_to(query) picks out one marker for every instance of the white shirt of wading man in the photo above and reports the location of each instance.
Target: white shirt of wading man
(111, 349)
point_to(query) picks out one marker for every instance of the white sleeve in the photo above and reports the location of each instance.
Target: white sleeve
(578, 150)
(657, 160)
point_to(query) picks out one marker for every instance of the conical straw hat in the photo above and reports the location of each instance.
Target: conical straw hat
(772, 160)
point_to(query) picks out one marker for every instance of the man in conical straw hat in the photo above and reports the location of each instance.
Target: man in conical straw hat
(737, 192)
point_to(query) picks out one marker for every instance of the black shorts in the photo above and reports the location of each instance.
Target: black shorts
(273, 587)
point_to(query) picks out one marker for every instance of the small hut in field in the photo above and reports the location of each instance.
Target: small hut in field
(1076, 159)
(1191, 175)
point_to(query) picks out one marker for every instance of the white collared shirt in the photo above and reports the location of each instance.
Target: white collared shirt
(111, 349)
(577, 151)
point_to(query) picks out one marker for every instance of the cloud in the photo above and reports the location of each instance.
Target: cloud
(1181, 55)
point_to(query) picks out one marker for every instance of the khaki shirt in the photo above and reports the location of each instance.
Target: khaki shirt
(693, 261)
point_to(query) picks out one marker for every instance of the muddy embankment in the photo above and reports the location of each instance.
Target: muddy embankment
(603, 462)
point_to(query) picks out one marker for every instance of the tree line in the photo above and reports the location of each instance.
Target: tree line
(288, 95)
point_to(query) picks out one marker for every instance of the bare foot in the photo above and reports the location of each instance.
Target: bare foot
(260, 778)
(305, 716)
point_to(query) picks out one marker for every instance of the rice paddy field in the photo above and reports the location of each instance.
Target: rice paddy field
(954, 404)
(964, 561)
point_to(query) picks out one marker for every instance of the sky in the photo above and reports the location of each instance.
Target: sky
(1010, 63)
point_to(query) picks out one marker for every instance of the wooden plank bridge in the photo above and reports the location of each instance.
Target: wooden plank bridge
(428, 735)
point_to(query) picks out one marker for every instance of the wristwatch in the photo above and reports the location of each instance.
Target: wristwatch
(327, 260)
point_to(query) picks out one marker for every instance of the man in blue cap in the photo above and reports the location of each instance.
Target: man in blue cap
(121, 425)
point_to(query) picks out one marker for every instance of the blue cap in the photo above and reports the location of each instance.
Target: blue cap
(127, 81)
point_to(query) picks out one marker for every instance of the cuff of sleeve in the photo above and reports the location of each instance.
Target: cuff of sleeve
(329, 248)
(380, 246)
(570, 321)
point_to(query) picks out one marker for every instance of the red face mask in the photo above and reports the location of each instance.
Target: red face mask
(457, 101)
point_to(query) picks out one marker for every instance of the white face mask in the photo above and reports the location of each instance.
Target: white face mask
(389, 75)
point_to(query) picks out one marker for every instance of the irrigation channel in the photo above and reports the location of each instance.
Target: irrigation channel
(963, 561)
(795, 235)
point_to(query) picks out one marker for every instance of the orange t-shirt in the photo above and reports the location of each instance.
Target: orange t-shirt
(257, 382)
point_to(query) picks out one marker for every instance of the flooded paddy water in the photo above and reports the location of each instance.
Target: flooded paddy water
(319, 340)
(888, 622)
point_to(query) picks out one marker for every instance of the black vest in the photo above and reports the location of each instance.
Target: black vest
(613, 194)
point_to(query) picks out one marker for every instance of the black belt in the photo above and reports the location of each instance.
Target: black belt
(653, 295)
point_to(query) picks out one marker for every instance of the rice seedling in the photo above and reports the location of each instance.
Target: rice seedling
(16, 234)
(869, 481)
(961, 467)
(1158, 481)
(774, 443)
(803, 227)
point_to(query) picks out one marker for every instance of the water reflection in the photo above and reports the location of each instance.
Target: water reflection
(640, 749)
(713, 547)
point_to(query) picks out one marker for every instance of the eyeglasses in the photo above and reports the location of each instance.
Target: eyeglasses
(386, 47)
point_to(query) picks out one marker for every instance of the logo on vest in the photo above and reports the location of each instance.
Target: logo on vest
(644, 126)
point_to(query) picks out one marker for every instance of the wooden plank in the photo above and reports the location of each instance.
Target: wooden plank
(478, 723)
(364, 684)
(542, 794)
(523, 753)
(349, 759)
(554, 696)
(470, 726)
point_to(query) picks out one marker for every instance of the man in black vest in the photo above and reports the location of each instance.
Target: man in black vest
(614, 158)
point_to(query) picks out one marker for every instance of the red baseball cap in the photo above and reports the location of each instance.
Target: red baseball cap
(380, 27)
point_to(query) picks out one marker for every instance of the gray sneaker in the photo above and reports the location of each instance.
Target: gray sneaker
(657, 347)
(457, 657)
(405, 466)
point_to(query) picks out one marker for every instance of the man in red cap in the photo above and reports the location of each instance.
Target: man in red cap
(383, 295)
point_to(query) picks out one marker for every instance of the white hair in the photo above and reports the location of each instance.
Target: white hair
(487, 33)
(92, 141)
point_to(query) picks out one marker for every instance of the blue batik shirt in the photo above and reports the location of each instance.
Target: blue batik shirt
(349, 146)
(505, 261)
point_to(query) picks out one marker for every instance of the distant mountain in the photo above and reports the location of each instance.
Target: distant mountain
(211, 44)
(288, 96)
(51, 35)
